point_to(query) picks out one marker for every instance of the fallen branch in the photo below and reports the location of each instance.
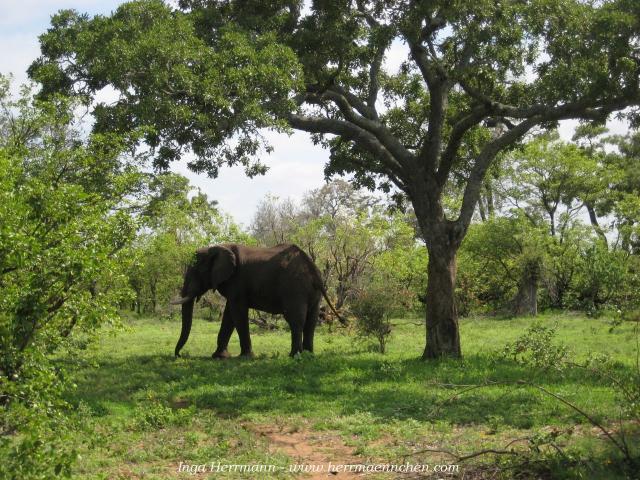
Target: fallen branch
(593, 421)
(462, 458)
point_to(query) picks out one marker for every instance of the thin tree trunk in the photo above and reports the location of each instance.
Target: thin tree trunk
(443, 337)
(526, 301)
(341, 294)
(593, 218)
(490, 204)
(483, 215)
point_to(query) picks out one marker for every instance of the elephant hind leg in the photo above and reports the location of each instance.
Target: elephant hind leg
(310, 326)
(296, 318)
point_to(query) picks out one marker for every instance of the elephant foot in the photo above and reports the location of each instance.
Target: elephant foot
(220, 355)
(247, 355)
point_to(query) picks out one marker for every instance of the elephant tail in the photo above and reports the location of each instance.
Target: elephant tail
(320, 284)
(343, 321)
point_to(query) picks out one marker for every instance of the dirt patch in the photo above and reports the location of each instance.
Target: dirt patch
(311, 448)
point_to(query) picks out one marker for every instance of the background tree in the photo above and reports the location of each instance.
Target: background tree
(207, 76)
(624, 189)
(352, 237)
(546, 178)
(173, 224)
(275, 221)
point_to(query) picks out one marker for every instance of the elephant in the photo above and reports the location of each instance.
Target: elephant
(281, 279)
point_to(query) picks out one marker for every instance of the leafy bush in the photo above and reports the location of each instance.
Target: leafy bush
(156, 415)
(493, 260)
(61, 268)
(371, 308)
(601, 277)
(536, 348)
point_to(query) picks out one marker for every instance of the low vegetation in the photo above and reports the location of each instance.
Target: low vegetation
(138, 412)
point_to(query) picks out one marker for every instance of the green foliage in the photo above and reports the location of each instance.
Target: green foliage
(493, 260)
(226, 74)
(536, 347)
(547, 175)
(601, 278)
(576, 268)
(371, 308)
(41, 453)
(623, 196)
(156, 415)
(62, 265)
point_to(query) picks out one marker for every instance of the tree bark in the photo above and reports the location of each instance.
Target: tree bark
(483, 215)
(526, 300)
(491, 209)
(443, 337)
(593, 218)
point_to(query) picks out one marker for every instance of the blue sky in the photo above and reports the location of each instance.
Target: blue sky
(296, 165)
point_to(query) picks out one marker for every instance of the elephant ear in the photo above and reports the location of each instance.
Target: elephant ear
(223, 264)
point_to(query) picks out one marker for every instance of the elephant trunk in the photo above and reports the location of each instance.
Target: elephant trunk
(187, 316)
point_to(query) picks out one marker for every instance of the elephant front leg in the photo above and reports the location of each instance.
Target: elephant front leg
(226, 329)
(241, 321)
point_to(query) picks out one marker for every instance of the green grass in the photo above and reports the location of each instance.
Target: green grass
(142, 411)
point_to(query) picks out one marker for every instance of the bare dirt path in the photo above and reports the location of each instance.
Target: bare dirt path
(325, 450)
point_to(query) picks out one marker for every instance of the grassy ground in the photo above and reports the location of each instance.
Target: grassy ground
(142, 412)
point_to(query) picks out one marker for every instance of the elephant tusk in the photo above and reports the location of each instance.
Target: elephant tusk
(181, 301)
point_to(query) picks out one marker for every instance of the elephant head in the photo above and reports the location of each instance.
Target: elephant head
(212, 266)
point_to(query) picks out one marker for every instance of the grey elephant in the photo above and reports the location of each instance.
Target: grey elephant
(281, 279)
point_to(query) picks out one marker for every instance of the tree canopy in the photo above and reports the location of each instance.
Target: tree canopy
(208, 76)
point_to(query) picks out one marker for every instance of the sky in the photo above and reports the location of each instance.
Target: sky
(295, 166)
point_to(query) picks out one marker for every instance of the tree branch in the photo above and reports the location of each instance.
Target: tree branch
(579, 109)
(376, 128)
(364, 139)
(374, 83)
(488, 153)
(591, 109)
(361, 107)
(455, 139)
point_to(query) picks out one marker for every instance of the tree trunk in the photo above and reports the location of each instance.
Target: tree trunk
(483, 215)
(443, 337)
(341, 293)
(593, 218)
(491, 209)
(526, 301)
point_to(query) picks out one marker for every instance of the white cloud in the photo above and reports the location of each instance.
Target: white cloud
(397, 53)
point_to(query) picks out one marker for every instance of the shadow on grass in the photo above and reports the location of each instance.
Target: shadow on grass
(329, 385)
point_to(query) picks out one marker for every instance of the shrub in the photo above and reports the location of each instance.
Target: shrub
(62, 265)
(371, 308)
(536, 348)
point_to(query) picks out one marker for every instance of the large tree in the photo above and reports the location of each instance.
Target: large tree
(209, 76)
